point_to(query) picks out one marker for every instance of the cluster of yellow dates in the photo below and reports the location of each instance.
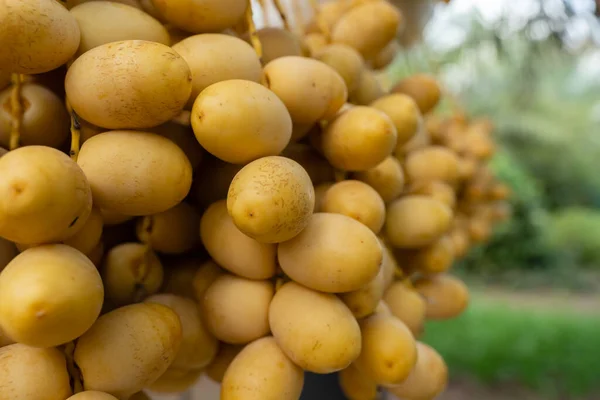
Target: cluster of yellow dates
(182, 194)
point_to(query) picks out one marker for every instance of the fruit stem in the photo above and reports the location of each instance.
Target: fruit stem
(252, 30)
(16, 110)
(281, 11)
(298, 17)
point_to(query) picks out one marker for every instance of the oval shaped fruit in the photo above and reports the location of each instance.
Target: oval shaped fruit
(133, 3)
(44, 122)
(423, 88)
(407, 305)
(131, 271)
(404, 113)
(433, 163)
(131, 84)
(44, 196)
(215, 57)
(315, 330)
(49, 295)
(367, 90)
(174, 231)
(334, 253)
(428, 378)
(243, 256)
(261, 371)
(239, 121)
(212, 16)
(310, 89)
(446, 296)
(29, 373)
(217, 368)
(435, 258)
(364, 301)
(389, 351)
(92, 395)
(345, 60)
(135, 173)
(36, 35)
(356, 200)
(355, 385)
(416, 221)
(198, 347)
(389, 265)
(271, 199)
(102, 22)
(368, 28)
(387, 178)
(359, 139)
(236, 309)
(128, 348)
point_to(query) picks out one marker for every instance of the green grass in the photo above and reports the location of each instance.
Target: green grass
(553, 351)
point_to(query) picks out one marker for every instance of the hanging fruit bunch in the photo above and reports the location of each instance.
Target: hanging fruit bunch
(182, 194)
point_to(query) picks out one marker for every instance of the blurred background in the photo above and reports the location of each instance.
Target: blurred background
(532, 330)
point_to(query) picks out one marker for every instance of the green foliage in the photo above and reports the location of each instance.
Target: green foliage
(552, 351)
(577, 231)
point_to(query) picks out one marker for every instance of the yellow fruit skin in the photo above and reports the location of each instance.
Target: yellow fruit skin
(44, 196)
(310, 89)
(36, 36)
(128, 348)
(405, 114)
(29, 373)
(359, 139)
(447, 296)
(239, 121)
(214, 57)
(428, 378)
(416, 221)
(198, 347)
(407, 305)
(49, 295)
(175, 380)
(234, 321)
(364, 301)
(389, 350)
(243, 255)
(334, 253)
(92, 395)
(345, 60)
(387, 178)
(378, 22)
(135, 173)
(357, 386)
(356, 200)
(213, 16)
(262, 371)
(131, 84)
(104, 22)
(316, 330)
(271, 199)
